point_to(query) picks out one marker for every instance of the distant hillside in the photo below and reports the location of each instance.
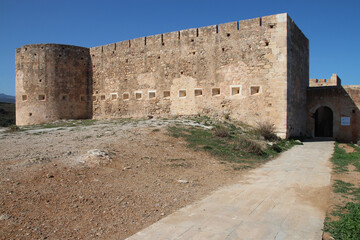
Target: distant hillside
(7, 114)
(7, 98)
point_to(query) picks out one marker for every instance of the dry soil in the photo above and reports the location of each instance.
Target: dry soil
(104, 181)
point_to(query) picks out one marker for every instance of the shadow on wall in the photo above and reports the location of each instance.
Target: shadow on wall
(89, 88)
(334, 112)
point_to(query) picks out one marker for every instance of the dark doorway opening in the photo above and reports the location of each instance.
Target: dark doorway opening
(323, 122)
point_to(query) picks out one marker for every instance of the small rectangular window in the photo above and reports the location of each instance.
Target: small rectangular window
(166, 94)
(235, 90)
(24, 97)
(113, 96)
(215, 91)
(198, 92)
(152, 94)
(254, 90)
(64, 97)
(102, 97)
(126, 96)
(138, 95)
(94, 98)
(182, 93)
(42, 97)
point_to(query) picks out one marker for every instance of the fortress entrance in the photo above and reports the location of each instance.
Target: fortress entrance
(323, 122)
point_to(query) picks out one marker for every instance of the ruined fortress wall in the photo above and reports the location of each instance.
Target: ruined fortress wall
(344, 101)
(52, 82)
(237, 68)
(298, 80)
(333, 81)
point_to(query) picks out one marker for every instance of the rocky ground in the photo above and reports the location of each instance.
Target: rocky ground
(106, 181)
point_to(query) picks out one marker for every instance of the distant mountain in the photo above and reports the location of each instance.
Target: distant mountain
(7, 98)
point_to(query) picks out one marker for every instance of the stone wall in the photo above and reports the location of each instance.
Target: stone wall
(298, 80)
(237, 69)
(318, 82)
(52, 82)
(253, 71)
(344, 101)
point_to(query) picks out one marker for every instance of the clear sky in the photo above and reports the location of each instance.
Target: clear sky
(332, 27)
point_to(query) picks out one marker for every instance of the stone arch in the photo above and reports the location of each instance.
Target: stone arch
(324, 119)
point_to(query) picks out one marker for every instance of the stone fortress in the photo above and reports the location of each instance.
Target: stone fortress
(253, 70)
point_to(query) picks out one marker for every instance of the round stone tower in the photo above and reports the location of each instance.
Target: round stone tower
(52, 82)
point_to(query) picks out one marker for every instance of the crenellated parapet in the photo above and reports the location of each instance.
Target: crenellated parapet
(322, 82)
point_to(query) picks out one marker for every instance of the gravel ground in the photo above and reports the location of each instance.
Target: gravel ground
(106, 181)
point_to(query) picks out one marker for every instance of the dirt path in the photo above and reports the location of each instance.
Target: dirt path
(105, 181)
(284, 199)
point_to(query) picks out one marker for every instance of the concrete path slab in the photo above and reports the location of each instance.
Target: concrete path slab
(284, 199)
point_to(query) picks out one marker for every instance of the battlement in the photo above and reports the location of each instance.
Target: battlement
(258, 64)
(195, 35)
(322, 82)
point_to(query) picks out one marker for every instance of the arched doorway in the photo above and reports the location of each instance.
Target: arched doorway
(323, 122)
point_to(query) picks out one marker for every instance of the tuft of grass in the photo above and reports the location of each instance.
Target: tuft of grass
(347, 227)
(221, 131)
(249, 145)
(348, 190)
(344, 222)
(267, 130)
(229, 142)
(13, 128)
(342, 160)
(241, 167)
(176, 159)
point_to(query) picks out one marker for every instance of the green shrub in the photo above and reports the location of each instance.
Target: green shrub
(276, 148)
(267, 130)
(7, 114)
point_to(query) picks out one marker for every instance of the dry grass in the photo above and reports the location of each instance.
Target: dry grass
(249, 145)
(221, 131)
(267, 130)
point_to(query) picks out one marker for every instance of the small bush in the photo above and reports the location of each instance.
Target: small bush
(276, 148)
(221, 131)
(249, 146)
(13, 128)
(267, 130)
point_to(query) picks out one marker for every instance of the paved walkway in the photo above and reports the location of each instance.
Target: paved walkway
(284, 199)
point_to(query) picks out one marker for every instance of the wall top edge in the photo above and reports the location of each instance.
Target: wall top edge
(51, 45)
(351, 86)
(279, 17)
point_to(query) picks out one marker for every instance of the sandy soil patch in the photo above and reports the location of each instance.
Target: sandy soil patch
(104, 181)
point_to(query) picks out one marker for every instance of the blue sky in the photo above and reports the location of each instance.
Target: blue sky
(332, 27)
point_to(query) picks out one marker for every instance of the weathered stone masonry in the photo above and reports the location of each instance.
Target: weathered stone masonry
(342, 102)
(254, 70)
(52, 82)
